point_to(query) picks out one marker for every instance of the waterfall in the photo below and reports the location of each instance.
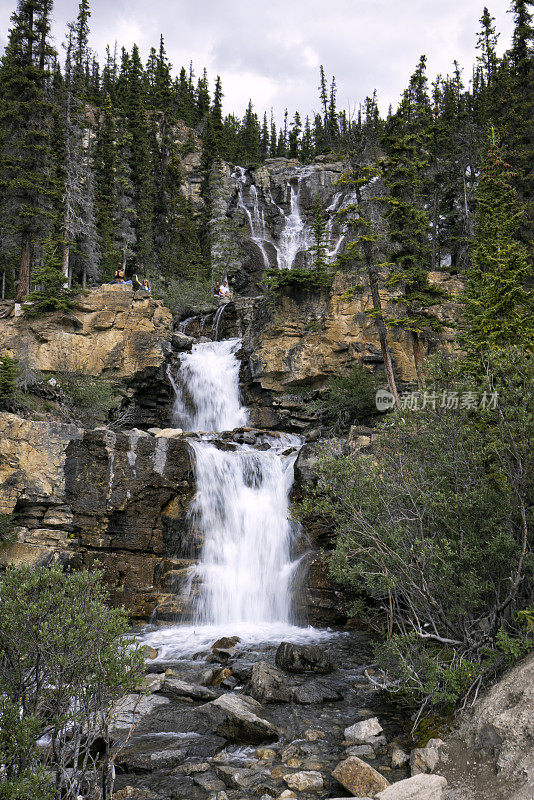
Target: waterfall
(295, 236)
(241, 507)
(245, 579)
(256, 219)
(207, 388)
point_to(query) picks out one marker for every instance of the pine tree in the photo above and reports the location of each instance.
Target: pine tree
(362, 223)
(319, 248)
(9, 373)
(80, 30)
(180, 252)
(51, 293)
(306, 148)
(498, 307)
(141, 164)
(106, 193)
(406, 142)
(294, 136)
(27, 186)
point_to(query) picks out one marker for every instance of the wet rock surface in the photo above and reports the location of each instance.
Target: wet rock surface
(184, 746)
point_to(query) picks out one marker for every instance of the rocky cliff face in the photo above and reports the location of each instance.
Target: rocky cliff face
(85, 496)
(112, 331)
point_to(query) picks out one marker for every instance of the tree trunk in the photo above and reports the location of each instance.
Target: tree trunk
(23, 283)
(65, 261)
(4, 285)
(381, 328)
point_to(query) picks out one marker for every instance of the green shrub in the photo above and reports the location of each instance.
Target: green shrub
(300, 277)
(9, 373)
(435, 529)
(7, 528)
(346, 399)
(65, 662)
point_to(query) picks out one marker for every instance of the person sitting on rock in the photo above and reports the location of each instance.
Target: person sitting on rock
(142, 286)
(119, 277)
(224, 290)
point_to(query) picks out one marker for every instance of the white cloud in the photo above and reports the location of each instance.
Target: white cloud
(270, 51)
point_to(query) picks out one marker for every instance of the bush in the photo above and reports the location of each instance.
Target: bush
(346, 399)
(183, 297)
(64, 665)
(436, 530)
(7, 528)
(9, 373)
(300, 277)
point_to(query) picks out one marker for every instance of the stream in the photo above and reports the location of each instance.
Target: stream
(243, 591)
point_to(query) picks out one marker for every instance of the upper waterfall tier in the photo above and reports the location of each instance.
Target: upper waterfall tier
(207, 388)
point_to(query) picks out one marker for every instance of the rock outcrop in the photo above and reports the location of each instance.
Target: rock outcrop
(501, 724)
(113, 497)
(112, 331)
(304, 337)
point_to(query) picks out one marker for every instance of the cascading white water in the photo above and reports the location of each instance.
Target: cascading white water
(207, 391)
(244, 580)
(241, 507)
(296, 235)
(256, 219)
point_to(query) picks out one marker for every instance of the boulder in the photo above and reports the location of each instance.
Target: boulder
(316, 691)
(362, 732)
(303, 658)
(268, 684)
(502, 722)
(181, 342)
(420, 787)
(131, 710)
(425, 759)
(399, 758)
(176, 689)
(306, 781)
(359, 778)
(108, 332)
(239, 719)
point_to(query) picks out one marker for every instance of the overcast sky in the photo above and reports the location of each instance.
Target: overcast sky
(270, 50)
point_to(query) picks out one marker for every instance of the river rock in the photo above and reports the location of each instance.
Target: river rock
(268, 684)
(209, 782)
(169, 433)
(425, 759)
(316, 691)
(420, 787)
(362, 732)
(314, 734)
(132, 709)
(176, 689)
(236, 777)
(308, 781)
(361, 750)
(359, 778)
(239, 719)
(303, 658)
(399, 758)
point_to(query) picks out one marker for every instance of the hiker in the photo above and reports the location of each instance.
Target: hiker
(119, 277)
(224, 290)
(144, 285)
